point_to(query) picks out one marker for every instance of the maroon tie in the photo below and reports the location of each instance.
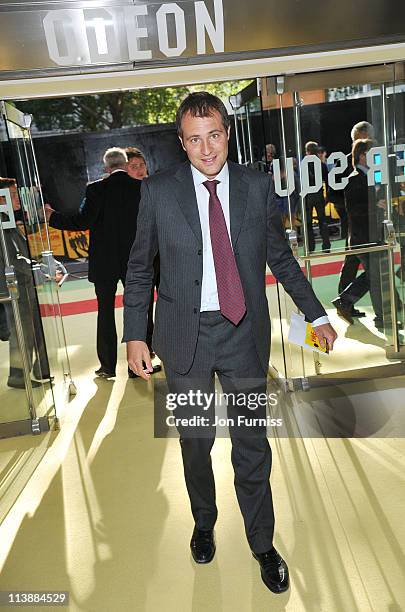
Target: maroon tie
(230, 292)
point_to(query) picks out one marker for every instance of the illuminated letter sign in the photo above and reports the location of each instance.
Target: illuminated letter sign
(132, 33)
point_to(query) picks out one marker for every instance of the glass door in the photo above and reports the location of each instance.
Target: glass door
(309, 130)
(248, 126)
(38, 360)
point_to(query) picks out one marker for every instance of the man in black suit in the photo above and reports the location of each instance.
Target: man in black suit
(215, 224)
(365, 216)
(360, 131)
(110, 212)
(317, 201)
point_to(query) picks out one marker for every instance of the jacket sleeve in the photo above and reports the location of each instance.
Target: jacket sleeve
(139, 279)
(85, 219)
(285, 267)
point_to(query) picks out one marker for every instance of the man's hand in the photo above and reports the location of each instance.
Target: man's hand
(327, 334)
(137, 352)
(48, 211)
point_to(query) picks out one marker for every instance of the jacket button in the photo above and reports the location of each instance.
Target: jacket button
(195, 310)
(199, 252)
(196, 282)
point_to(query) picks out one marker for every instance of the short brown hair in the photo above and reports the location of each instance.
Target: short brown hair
(7, 182)
(134, 152)
(201, 104)
(360, 146)
(311, 148)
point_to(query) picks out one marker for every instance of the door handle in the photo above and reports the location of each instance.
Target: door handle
(12, 282)
(389, 233)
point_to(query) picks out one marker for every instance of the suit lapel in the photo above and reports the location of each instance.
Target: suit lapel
(238, 193)
(185, 194)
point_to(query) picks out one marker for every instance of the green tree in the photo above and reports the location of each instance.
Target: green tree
(101, 112)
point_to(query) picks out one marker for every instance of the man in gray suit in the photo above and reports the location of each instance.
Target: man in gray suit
(215, 224)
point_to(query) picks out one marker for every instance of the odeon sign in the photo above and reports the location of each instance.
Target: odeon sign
(139, 32)
(377, 162)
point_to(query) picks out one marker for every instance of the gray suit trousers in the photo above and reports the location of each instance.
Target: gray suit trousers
(230, 352)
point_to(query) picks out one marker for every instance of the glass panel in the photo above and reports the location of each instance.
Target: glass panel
(362, 345)
(241, 123)
(13, 404)
(324, 200)
(396, 167)
(43, 329)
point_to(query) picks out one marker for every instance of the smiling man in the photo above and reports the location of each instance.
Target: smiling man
(216, 225)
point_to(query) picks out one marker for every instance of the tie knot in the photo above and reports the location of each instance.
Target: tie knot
(211, 186)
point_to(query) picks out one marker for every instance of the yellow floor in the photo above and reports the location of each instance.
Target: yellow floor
(100, 509)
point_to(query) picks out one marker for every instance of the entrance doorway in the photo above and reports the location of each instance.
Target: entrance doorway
(35, 370)
(285, 113)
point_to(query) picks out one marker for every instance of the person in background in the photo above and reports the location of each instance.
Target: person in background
(110, 212)
(322, 154)
(365, 215)
(138, 169)
(18, 257)
(317, 201)
(362, 130)
(271, 153)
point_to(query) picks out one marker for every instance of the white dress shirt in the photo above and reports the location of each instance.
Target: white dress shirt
(209, 291)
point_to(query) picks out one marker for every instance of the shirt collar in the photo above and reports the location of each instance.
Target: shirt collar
(362, 168)
(118, 170)
(199, 177)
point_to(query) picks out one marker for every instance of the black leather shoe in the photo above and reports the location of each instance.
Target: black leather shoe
(343, 310)
(102, 373)
(357, 313)
(202, 545)
(274, 570)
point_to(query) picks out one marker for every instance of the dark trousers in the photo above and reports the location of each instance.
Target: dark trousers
(229, 352)
(106, 330)
(342, 212)
(4, 328)
(156, 280)
(319, 204)
(348, 272)
(374, 279)
(369, 280)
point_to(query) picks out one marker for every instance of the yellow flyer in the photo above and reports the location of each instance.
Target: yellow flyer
(303, 334)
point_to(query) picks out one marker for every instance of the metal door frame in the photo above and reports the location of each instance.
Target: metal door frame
(12, 115)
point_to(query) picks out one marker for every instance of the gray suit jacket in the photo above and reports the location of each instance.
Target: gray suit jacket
(168, 222)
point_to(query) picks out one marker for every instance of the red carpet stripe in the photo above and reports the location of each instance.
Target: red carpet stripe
(83, 306)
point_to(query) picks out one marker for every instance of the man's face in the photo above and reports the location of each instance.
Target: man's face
(363, 159)
(205, 140)
(137, 168)
(270, 153)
